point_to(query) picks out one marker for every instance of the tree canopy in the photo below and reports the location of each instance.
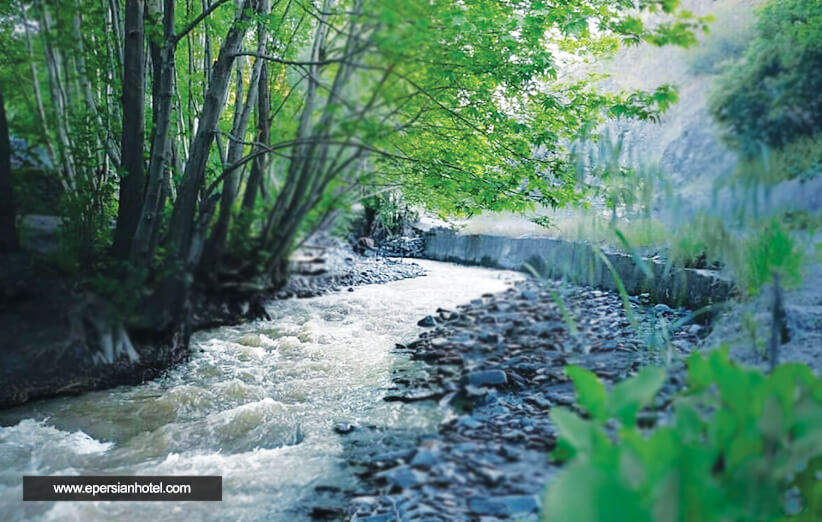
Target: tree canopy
(216, 133)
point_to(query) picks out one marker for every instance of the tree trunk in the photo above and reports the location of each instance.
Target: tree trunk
(58, 95)
(148, 225)
(214, 247)
(8, 232)
(255, 178)
(269, 238)
(183, 218)
(307, 170)
(38, 96)
(132, 185)
(186, 230)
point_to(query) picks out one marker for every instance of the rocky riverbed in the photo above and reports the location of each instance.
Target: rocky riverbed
(345, 269)
(497, 365)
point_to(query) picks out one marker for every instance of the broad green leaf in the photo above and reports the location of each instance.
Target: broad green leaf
(576, 431)
(585, 494)
(590, 391)
(628, 397)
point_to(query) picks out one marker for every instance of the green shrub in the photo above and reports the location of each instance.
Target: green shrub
(770, 97)
(387, 214)
(740, 446)
(753, 255)
(36, 191)
(799, 159)
(773, 250)
(89, 209)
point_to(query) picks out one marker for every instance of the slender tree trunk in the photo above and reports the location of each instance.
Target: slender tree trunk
(38, 95)
(117, 29)
(8, 232)
(284, 198)
(132, 185)
(308, 166)
(54, 67)
(186, 229)
(255, 178)
(214, 245)
(111, 148)
(148, 226)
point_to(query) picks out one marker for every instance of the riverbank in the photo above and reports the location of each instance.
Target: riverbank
(56, 338)
(259, 403)
(583, 263)
(497, 364)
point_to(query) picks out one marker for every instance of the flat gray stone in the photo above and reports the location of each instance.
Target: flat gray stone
(504, 506)
(546, 328)
(486, 378)
(405, 477)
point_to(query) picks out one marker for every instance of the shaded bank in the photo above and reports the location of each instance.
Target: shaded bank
(57, 338)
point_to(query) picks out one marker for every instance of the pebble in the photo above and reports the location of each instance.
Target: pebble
(424, 458)
(546, 328)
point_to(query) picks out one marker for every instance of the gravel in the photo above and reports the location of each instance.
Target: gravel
(497, 365)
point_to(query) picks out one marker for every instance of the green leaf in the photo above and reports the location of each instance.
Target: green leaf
(628, 397)
(688, 421)
(585, 494)
(590, 391)
(700, 376)
(574, 430)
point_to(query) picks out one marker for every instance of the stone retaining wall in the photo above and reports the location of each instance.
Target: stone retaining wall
(579, 263)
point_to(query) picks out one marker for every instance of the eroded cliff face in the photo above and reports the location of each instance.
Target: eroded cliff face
(686, 145)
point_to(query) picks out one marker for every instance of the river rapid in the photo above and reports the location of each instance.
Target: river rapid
(257, 404)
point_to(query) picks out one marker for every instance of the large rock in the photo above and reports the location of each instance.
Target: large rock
(404, 477)
(486, 378)
(428, 321)
(505, 506)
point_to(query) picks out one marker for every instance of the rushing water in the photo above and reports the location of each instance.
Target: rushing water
(256, 404)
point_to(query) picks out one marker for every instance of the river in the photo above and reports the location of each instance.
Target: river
(257, 404)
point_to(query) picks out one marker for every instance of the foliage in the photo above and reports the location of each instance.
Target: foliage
(391, 212)
(740, 446)
(772, 250)
(768, 246)
(705, 240)
(485, 94)
(463, 106)
(601, 169)
(770, 97)
(36, 191)
(799, 159)
(88, 208)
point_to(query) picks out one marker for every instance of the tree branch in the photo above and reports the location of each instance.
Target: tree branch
(202, 16)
